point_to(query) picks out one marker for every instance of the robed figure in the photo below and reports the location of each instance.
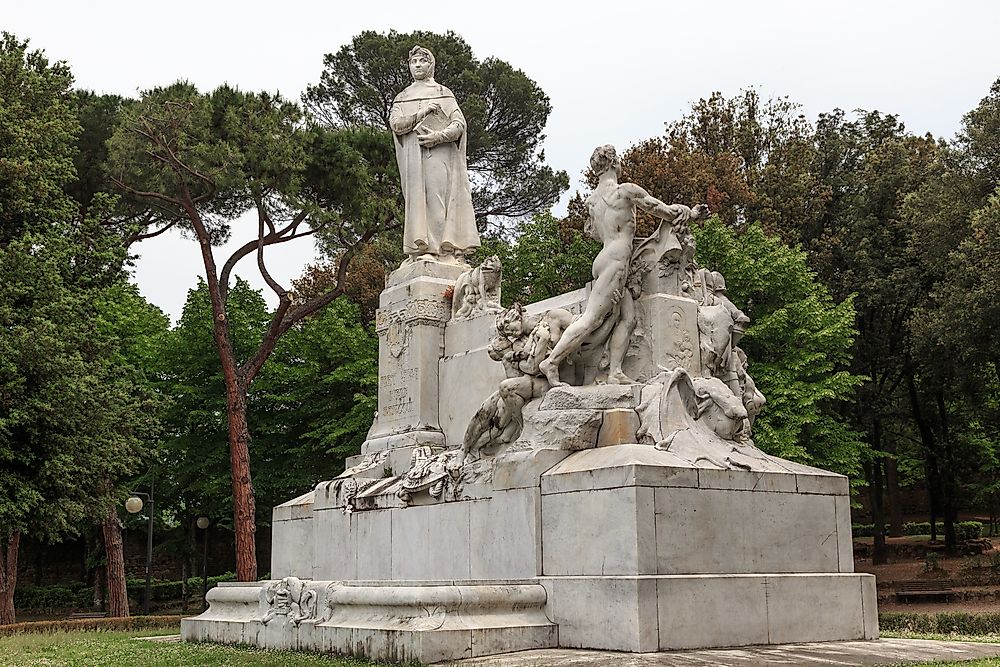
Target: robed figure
(430, 137)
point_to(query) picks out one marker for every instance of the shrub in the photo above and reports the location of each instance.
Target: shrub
(945, 623)
(105, 624)
(49, 597)
(78, 596)
(964, 530)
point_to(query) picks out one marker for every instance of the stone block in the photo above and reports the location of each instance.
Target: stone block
(825, 483)
(505, 535)
(410, 540)
(410, 326)
(466, 335)
(561, 429)
(594, 397)
(334, 556)
(293, 508)
(709, 610)
(713, 531)
(491, 641)
(290, 539)
(373, 531)
(615, 613)
(424, 269)
(467, 379)
(845, 539)
(447, 540)
(742, 480)
(618, 466)
(600, 532)
(619, 427)
(814, 608)
(649, 613)
(524, 468)
(666, 336)
(869, 606)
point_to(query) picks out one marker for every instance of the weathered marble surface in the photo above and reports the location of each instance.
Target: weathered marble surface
(880, 652)
(591, 452)
(430, 135)
(422, 621)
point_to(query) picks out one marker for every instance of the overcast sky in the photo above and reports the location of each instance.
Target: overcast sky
(615, 71)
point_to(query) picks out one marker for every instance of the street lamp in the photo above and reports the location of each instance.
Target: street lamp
(134, 505)
(203, 523)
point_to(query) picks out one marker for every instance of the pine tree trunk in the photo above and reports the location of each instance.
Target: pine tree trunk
(244, 505)
(8, 576)
(117, 592)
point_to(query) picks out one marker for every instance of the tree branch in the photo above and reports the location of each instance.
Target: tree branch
(144, 193)
(135, 238)
(287, 233)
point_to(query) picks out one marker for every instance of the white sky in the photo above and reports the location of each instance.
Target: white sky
(615, 71)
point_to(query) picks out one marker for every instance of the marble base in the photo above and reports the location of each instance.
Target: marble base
(629, 548)
(643, 614)
(392, 621)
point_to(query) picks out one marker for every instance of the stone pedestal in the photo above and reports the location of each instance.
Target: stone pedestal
(618, 545)
(666, 336)
(577, 535)
(413, 311)
(399, 622)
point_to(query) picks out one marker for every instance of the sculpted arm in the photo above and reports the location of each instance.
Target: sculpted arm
(455, 129)
(404, 123)
(453, 132)
(652, 205)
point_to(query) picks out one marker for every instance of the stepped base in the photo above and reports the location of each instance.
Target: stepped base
(642, 614)
(387, 621)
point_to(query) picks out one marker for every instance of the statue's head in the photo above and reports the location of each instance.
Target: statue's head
(604, 158)
(491, 264)
(720, 282)
(421, 63)
(510, 322)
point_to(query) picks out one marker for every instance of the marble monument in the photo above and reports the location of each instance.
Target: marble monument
(577, 472)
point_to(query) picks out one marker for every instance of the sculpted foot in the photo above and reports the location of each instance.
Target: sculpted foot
(620, 378)
(551, 372)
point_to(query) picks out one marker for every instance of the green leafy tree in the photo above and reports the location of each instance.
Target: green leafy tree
(201, 161)
(135, 331)
(310, 407)
(38, 128)
(506, 112)
(72, 422)
(547, 258)
(799, 344)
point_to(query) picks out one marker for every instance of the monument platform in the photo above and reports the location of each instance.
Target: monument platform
(880, 652)
(494, 508)
(623, 547)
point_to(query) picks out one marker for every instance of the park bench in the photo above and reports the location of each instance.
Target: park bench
(88, 614)
(924, 588)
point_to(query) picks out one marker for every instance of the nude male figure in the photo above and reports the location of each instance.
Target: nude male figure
(612, 221)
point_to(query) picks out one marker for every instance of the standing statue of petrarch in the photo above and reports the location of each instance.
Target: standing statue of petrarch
(430, 137)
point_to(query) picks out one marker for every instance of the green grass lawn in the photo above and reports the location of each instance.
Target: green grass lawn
(121, 649)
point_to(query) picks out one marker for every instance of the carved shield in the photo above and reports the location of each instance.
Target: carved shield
(397, 335)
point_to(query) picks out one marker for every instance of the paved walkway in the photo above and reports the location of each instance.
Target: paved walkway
(880, 652)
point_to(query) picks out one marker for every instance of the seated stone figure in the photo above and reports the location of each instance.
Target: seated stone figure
(523, 341)
(478, 290)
